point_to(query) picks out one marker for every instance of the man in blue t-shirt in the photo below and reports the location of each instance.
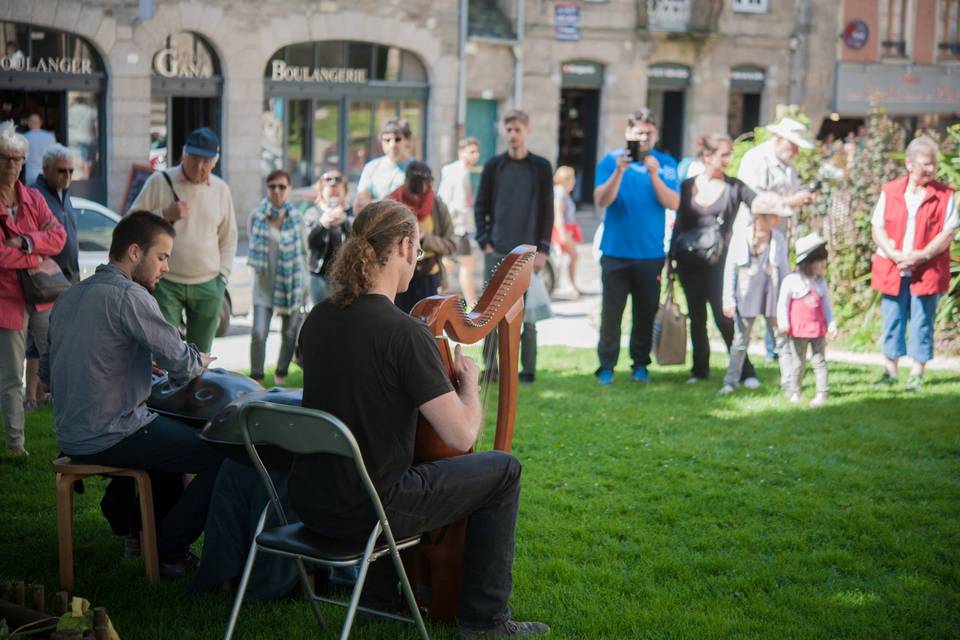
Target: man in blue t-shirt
(636, 191)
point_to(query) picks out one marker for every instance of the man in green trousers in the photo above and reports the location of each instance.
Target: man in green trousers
(200, 207)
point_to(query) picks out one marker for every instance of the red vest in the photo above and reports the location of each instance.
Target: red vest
(807, 316)
(933, 276)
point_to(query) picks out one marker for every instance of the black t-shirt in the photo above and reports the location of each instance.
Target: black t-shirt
(691, 215)
(515, 216)
(372, 366)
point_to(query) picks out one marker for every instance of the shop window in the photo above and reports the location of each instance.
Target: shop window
(412, 112)
(271, 135)
(388, 64)
(412, 70)
(893, 21)
(950, 29)
(359, 55)
(83, 136)
(298, 140)
(329, 54)
(16, 44)
(326, 122)
(751, 6)
(46, 44)
(300, 55)
(361, 145)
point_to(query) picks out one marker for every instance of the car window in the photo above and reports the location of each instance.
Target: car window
(94, 230)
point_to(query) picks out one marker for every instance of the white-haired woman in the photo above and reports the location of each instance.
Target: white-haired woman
(913, 225)
(28, 232)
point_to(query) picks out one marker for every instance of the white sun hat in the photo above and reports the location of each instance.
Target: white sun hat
(808, 244)
(792, 130)
(769, 203)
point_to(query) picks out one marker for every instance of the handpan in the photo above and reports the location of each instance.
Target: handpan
(202, 398)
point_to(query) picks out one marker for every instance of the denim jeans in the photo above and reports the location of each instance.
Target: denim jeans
(528, 335)
(169, 446)
(482, 487)
(319, 288)
(289, 330)
(640, 279)
(920, 312)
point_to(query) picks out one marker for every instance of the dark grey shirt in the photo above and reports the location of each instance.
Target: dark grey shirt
(515, 216)
(104, 334)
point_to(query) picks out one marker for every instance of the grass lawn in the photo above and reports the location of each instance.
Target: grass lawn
(657, 511)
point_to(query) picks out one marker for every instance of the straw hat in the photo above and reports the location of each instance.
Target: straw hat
(808, 244)
(792, 130)
(769, 203)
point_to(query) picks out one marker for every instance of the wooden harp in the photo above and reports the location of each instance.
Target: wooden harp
(436, 564)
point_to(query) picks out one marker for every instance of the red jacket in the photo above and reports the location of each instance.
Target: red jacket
(32, 212)
(932, 276)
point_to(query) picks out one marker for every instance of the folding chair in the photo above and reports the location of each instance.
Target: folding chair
(300, 431)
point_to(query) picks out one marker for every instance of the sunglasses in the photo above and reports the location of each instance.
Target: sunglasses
(331, 179)
(396, 139)
(64, 172)
(281, 187)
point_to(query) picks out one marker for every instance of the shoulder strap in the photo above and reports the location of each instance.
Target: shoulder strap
(166, 177)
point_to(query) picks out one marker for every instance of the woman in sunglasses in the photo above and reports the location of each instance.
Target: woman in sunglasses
(436, 233)
(328, 226)
(277, 254)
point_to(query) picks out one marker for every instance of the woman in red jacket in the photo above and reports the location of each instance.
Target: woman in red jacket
(28, 232)
(913, 225)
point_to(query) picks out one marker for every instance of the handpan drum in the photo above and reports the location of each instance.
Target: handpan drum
(212, 401)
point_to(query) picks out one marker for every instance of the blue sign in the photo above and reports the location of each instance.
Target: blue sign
(566, 22)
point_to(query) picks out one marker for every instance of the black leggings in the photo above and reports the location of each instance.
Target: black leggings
(703, 285)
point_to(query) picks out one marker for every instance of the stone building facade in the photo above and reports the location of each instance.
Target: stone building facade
(699, 60)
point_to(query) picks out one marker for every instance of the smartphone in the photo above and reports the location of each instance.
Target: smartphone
(633, 148)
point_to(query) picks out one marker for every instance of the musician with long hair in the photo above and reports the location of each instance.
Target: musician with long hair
(388, 369)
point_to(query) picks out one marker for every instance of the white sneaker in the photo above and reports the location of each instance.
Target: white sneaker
(693, 380)
(795, 398)
(751, 383)
(726, 390)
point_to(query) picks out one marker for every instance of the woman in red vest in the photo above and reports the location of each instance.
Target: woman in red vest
(913, 226)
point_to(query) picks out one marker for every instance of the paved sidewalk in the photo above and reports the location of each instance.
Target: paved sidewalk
(575, 323)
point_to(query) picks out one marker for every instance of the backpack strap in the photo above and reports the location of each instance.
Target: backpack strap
(166, 177)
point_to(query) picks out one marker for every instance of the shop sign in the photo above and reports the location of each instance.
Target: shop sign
(566, 22)
(282, 72)
(582, 74)
(917, 91)
(46, 65)
(178, 63)
(748, 75)
(856, 34)
(669, 72)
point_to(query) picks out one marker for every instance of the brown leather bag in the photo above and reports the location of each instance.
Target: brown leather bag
(44, 283)
(670, 329)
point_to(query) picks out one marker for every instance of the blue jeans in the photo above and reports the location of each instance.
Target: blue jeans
(169, 446)
(289, 330)
(899, 310)
(319, 288)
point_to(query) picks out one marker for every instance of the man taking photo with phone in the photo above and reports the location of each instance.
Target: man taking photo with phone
(636, 184)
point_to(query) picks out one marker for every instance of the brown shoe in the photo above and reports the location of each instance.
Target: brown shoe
(506, 629)
(18, 451)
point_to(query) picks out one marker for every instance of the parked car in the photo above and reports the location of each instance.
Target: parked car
(95, 224)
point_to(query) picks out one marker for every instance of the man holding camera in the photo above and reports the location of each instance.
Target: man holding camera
(636, 185)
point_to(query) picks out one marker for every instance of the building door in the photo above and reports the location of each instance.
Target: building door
(667, 97)
(482, 125)
(746, 93)
(579, 114)
(187, 114)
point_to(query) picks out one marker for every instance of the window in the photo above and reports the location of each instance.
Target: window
(94, 230)
(950, 29)
(83, 136)
(893, 22)
(751, 6)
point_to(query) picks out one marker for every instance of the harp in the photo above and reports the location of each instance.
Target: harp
(436, 564)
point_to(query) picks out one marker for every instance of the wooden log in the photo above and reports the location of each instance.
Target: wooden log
(63, 602)
(38, 599)
(19, 593)
(99, 617)
(101, 633)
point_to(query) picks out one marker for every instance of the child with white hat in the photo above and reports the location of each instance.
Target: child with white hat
(804, 314)
(756, 264)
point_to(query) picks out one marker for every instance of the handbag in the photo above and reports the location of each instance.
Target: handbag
(44, 283)
(702, 246)
(670, 329)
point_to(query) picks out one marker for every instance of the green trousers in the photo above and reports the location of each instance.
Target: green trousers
(201, 302)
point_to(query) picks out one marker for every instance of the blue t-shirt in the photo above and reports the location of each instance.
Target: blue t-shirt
(634, 224)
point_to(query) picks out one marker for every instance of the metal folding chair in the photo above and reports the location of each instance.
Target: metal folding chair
(300, 431)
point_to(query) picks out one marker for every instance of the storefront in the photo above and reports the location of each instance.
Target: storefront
(60, 77)
(746, 94)
(325, 101)
(185, 94)
(667, 86)
(581, 83)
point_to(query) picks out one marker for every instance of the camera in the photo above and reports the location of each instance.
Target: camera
(633, 148)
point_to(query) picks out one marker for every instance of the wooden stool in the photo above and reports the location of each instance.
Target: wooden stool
(68, 473)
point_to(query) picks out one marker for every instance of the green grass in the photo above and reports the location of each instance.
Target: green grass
(648, 511)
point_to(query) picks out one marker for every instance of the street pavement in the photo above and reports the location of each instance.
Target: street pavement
(575, 323)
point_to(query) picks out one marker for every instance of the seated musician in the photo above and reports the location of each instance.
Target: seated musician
(375, 367)
(104, 334)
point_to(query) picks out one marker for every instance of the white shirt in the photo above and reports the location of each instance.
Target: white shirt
(761, 170)
(38, 140)
(913, 200)
(456, 192)
(381, 177)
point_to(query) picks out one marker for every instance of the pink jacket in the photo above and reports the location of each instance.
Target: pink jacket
(32, 212)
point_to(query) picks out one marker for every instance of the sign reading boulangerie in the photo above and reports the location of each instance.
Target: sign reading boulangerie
(19, 62)
(280, 71)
